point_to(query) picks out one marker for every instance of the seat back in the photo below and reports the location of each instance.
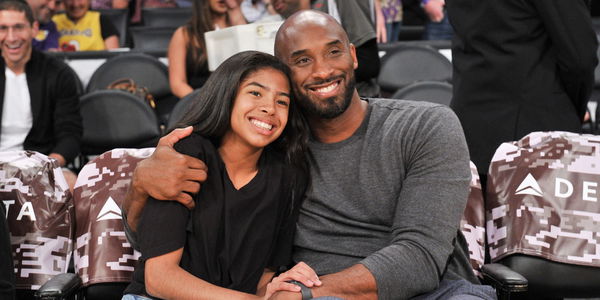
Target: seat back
(165, 16)
(543, 214)
(147, 71)
(432, 91)
(472, 223)
(102, 253)
(40, 216)
(152, 38)
(119, 18)
(410, 64)
(182, 106)
(116, 119)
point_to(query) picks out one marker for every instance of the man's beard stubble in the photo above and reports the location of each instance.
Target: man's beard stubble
(331, 109)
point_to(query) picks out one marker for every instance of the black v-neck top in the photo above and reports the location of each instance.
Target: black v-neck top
(231, 235)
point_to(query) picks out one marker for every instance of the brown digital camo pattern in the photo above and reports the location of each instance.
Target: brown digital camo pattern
(472, 223)
(542, 198)
(102, 252)
(40, 218)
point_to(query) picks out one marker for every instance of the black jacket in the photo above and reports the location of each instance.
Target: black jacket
(57, 126)
(519, 66)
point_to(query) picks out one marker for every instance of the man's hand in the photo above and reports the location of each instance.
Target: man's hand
(169, 175)
(165, 175)
(300, 272)
(435, 10)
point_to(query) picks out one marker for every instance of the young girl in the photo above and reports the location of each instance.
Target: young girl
(188, 67)
(252, 139)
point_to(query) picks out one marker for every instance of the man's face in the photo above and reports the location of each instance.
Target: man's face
(76, 9)
(43, 10)
(322, 63)
(286, 7)
(15, 37)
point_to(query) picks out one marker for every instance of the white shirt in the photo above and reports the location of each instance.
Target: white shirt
(17, 119)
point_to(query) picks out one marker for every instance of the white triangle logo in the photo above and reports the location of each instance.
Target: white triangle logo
(529, 186)
(110, 211)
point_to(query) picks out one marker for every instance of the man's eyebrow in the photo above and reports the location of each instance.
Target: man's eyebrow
(267, 88)
(300, 52)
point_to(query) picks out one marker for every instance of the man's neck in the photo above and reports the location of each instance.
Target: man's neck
(341, 127)
(19, 67)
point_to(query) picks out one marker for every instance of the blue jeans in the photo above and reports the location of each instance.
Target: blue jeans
(441, 30)
(393, 31)
(134, 297)
(459, 290)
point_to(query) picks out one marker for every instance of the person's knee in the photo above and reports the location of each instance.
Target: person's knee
(70, 177)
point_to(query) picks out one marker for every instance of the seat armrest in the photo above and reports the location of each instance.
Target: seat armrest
(503, 278)
(59, 287)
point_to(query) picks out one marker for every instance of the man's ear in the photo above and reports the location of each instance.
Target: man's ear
(353, 54)
(35, 27)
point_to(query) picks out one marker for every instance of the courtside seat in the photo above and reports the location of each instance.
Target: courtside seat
(543, 213)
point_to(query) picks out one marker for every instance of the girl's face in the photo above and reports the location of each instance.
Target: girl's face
(260, 110)
(218, 6)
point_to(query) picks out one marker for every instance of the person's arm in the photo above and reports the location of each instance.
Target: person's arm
(68, 128)
(427, 215)
(166, 174)
(234, 13)
(434, 9)
(177, 72)
(574, 43)
(120, 4)
(165, 279)
(111, 42)
(380, 23)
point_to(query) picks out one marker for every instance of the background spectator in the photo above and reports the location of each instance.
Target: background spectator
(259, 11)
(519, 67)
(392, 15)
(188, 64)
(84, 30)
(437, 26)
(47, 37)
(109, 4)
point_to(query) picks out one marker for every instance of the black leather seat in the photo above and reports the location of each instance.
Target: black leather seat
(116, 119)
(432, 91)
(409, 64)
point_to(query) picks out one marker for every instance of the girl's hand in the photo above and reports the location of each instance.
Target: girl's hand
(300, 272)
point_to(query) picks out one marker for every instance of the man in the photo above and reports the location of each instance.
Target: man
(39, 106)
(84, 30)
(355, 18)
(47, 37)
(519, 66)
(380, 219)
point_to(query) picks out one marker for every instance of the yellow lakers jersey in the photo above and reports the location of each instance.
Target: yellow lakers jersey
(85, 35)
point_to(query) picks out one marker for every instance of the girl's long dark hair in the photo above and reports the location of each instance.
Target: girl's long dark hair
(210, 111)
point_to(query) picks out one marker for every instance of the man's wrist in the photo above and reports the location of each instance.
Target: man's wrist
(304, 290)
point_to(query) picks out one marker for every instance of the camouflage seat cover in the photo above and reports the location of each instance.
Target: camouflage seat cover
(102, 252)
(40, 218)
(472, 223)
(542, 198)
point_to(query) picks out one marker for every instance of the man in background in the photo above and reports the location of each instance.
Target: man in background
(519, 66)
(47, 37)
(39, 101)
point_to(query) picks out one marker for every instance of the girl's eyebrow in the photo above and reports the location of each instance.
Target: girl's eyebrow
(266, 88)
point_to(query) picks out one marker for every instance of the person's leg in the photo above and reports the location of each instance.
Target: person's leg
(388, 32)
(439, 30)
(70, 177)
(460, 290)
(395, 31)
(134, 297)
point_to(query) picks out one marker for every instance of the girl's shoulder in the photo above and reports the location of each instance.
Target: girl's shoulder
(196, 145)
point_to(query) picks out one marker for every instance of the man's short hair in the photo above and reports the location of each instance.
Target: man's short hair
(18, 5)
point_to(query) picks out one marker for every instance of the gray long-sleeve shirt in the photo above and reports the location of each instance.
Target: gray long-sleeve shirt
(390, 197)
